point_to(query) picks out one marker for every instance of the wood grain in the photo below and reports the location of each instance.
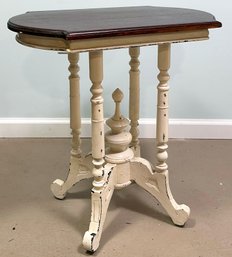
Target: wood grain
(110, 22)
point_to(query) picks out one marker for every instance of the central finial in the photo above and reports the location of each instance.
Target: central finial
(118, 138)
(117, 95)
(117, 123)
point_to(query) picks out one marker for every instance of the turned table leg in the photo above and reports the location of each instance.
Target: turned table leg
(178, 213)
(162, 107)
(155, 181)
(120, 165)
(79, 168)
(103, 176)
(75, 113)
(134, 98)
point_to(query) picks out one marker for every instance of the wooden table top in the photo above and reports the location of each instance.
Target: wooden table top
(110, 22)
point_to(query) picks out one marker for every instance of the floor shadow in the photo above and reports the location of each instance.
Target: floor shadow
(85, 194)
(191, 223)
(137, 200)
(128, 200)
(81, 191)
(80, 218)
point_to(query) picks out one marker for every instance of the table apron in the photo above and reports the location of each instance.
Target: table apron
(83, 45)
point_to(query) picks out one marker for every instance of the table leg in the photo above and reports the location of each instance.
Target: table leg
(120, 172)
(103, 184)
(134, 98)
(75, 114)
(178, 213)
(156, 181)
(80, 168)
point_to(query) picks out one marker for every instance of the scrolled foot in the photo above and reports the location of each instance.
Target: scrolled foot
(100, 199)
(181, 215)
(157, 184)
(57, 189)
(80, 168)
(91, 241)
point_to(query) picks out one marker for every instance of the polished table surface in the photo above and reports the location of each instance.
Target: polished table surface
(110, 22)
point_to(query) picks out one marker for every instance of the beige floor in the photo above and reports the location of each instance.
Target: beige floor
(34, 224)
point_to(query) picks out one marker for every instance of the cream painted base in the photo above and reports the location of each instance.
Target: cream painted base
(80, 168)
(119, 164)
(118, 176)
(139, 171)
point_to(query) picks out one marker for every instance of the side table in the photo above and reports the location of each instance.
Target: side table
(120, 164)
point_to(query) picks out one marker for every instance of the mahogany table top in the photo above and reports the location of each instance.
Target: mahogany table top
(110, 22)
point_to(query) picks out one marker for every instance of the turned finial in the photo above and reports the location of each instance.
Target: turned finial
(117, 97)
(117, 123)
(118, 138)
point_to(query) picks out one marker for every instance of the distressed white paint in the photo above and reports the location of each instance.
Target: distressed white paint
(58, 44)
(80, 167)
(121, 165)
(109, 172)
(75, 113)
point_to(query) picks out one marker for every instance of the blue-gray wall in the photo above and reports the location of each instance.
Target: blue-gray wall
(34, 83)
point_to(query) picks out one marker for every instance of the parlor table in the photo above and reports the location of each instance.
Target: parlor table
(120, 163)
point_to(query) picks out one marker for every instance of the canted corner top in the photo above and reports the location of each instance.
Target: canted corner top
(111, 22)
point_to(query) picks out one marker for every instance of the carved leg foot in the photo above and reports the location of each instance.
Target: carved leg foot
(79, 169)
(157, 184)
(100, 202)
